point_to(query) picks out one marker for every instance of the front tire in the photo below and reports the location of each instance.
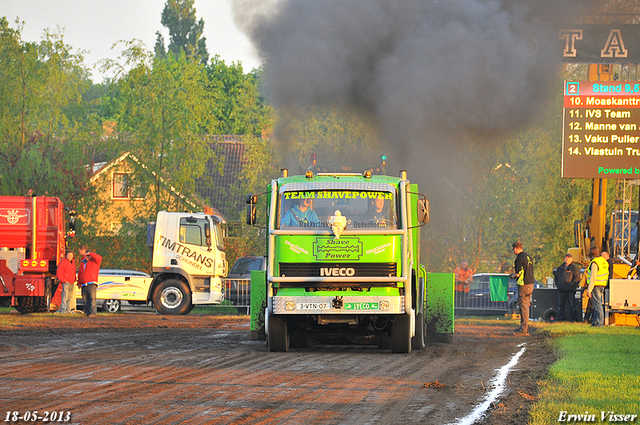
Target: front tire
(278, 339)
(401, 334)
(41, 304)
(172, 297)
(111, 306)
(24, 305)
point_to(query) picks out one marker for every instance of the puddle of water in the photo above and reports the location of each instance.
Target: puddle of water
(498, 384)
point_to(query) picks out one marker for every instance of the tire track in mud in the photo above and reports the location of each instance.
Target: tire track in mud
(217, 375)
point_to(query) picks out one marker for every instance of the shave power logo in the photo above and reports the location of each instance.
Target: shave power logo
(345, 248)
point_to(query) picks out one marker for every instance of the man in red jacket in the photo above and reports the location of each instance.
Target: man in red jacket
(88, 279)
(66, 275)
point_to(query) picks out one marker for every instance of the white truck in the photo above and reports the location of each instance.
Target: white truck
(188, 262)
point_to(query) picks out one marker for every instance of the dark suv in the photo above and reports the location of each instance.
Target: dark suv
(238, 281)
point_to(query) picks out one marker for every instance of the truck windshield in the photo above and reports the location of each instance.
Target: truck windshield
(314, 209)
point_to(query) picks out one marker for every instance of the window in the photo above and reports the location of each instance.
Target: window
(121, 186)
(192, 231)
(363, 209)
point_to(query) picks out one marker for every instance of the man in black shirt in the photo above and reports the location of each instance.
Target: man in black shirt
(524, 276)
(567, 278)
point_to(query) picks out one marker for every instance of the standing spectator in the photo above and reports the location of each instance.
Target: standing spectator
(566, 279)
(464, 276)
(606, 256)
(524, 276)
(88, 279)
(66, 275)
(597, 277)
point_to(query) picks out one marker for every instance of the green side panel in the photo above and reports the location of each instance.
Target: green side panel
(440, 307)
(258, 304)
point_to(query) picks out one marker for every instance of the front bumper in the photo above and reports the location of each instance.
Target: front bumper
(337, 305)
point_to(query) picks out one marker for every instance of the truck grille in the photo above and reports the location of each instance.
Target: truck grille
(338, 269)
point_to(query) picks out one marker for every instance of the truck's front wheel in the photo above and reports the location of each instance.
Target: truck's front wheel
(172, 297)
(24, 305)
(278, 339)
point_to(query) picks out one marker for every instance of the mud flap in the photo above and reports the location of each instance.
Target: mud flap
(258, 304)
(439, 314)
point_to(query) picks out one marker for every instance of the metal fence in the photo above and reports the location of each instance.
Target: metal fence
(490, 293)
(238, 294)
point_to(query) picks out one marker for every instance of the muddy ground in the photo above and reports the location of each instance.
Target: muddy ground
(152, 369)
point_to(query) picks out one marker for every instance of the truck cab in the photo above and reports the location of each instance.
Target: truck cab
(188, 261)
(343, 260)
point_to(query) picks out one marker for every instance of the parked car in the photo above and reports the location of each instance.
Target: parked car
(238, 281)
(116, 287)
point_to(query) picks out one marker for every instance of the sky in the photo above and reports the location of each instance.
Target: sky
(95, 25)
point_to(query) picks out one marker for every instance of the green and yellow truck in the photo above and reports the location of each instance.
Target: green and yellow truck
(343, 262)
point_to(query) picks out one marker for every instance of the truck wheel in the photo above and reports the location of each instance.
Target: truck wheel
(24, 305)
(111, 306)
(401, 334)
(278, 334)
(172, 297)
(41, 304)
(418, 341)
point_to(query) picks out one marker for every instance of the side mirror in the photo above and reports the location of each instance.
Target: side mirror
(207, 233)
(423, 211)
(251, 201)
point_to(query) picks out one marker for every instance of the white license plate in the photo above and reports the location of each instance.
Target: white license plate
(312, 306)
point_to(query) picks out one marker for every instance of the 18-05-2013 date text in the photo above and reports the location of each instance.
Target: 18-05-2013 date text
(37, 416)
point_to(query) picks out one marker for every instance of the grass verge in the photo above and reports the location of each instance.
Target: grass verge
(598, 373)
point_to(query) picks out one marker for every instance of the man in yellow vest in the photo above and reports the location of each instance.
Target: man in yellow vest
(597, 276)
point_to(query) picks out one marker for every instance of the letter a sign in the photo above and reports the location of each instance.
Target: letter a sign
(600, 43)
(615, 46)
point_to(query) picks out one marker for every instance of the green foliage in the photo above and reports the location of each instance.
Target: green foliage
(164, 109)
(238, 107)
(185, 32)
(260, 167)
(46, 127)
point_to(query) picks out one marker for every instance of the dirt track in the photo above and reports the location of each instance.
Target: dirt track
(151, 369)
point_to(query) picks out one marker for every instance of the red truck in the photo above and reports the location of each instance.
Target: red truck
(32, 242)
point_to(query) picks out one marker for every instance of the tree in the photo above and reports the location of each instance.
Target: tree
(45, 124)
(259, 168)
(185, 33)
(163, 109)
(239, 108)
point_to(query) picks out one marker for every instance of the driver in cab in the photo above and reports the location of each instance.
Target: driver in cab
(379, 214)
(301, 215)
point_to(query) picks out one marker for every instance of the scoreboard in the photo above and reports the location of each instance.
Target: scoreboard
(601, 134)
